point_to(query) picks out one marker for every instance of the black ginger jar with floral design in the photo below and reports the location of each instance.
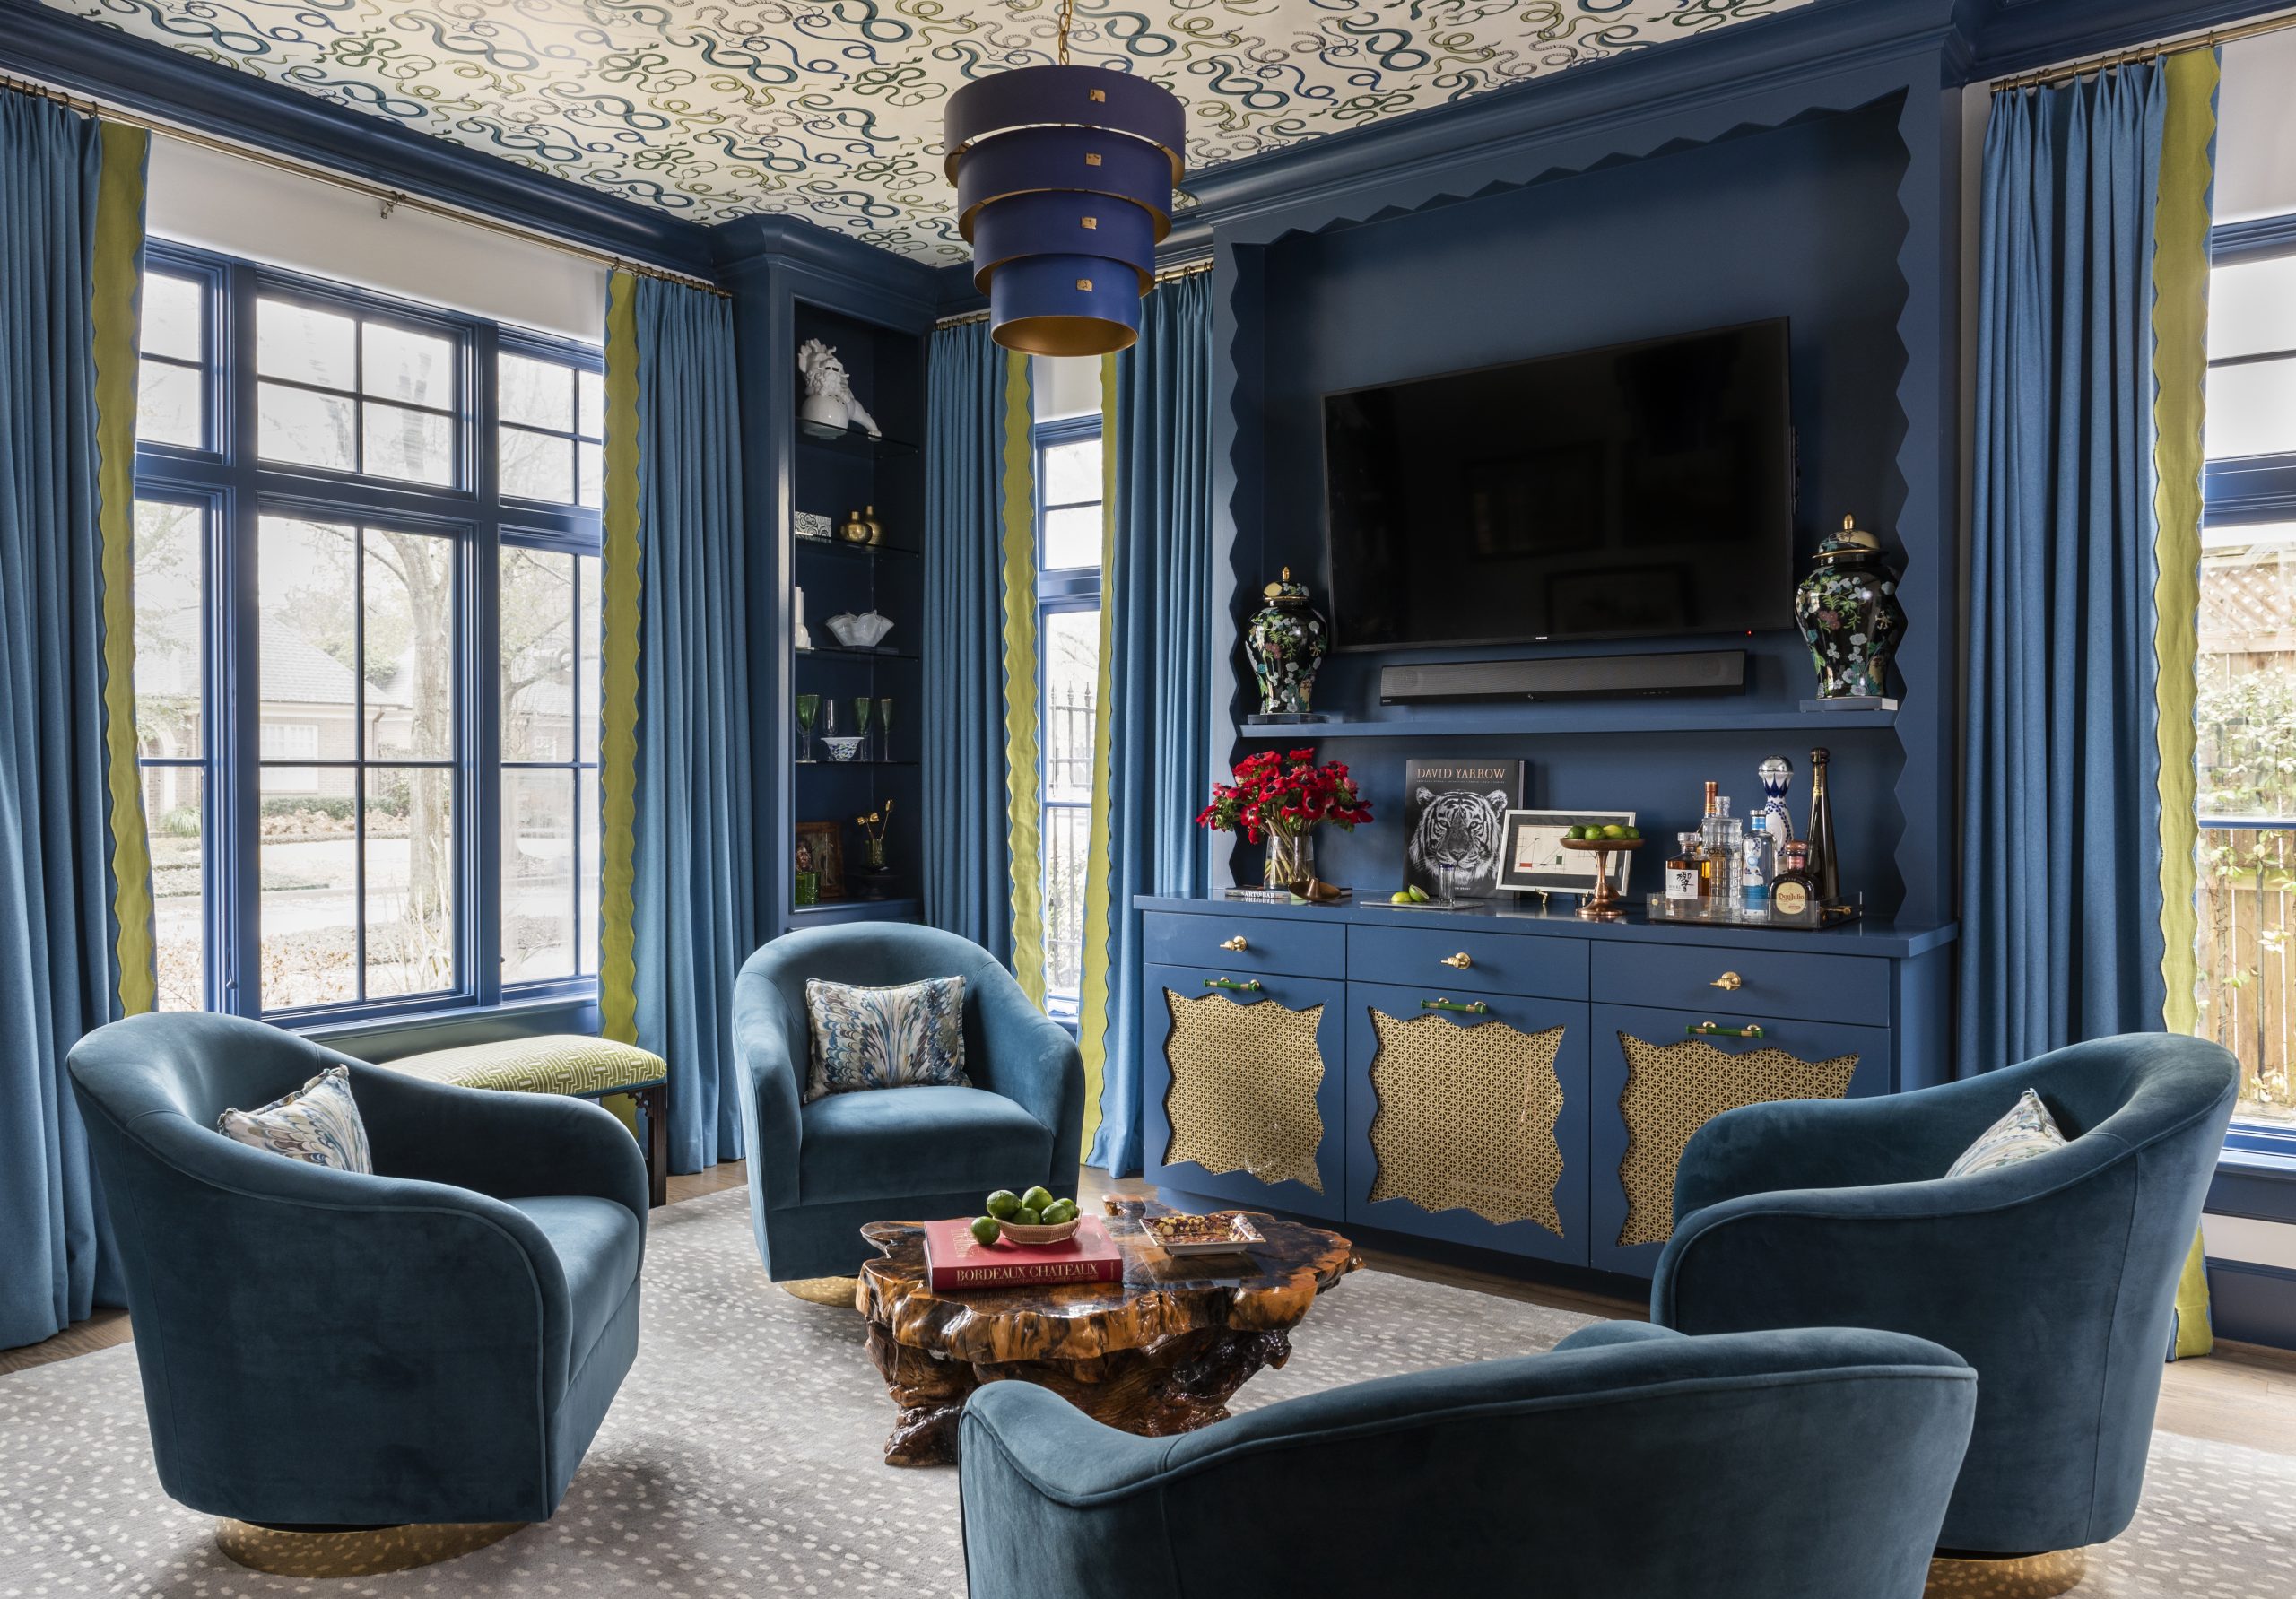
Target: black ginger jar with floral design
(1286, 641)
(1849, 613)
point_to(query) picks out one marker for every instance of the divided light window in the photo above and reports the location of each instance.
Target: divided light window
(1068, 617)
(368, 643)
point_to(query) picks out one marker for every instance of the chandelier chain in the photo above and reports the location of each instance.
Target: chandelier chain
(1067, 16)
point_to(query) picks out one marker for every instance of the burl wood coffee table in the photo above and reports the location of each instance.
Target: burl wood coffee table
(1158, 1353)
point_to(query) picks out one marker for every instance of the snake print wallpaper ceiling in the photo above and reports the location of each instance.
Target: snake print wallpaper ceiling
(716, 108)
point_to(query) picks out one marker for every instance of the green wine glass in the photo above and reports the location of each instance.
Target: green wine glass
(809, 710)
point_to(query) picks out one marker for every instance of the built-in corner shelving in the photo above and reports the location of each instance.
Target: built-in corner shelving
(834, 473)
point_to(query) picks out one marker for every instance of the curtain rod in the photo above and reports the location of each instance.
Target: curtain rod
(2065, 74)
(1163, 275)
(390, 199)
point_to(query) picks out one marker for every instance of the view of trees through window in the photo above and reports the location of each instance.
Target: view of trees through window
(2246, 682)
(1068, 483)
(370, 710)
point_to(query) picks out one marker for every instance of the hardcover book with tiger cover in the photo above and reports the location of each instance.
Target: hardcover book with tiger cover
(955, 1259)
(1455, 816)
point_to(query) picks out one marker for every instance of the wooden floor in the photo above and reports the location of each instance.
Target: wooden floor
(2241, 1394)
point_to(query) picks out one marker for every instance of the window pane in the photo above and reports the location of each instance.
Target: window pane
(414, 445)
(307, 647)
(589, 641)
(173, 811)
(593, 422)
(171, 404)
(418, 368)
(1072, 471)
(538, 633)
(1064, 830)
(309, 430)
(538, 393)
(2252, 309)
(537, 875)
(410, 645)
(1072, 538)
(410, 880)
(175, 317)
(308, 864)
(591, 461)
(306, 345)
(169, 592)
(586, 909)
(2252, 409)
(1072, 651)
(537, 467)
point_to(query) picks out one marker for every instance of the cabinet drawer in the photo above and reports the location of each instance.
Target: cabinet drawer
(1246, 945)
(1439, 958)
(1847, 988)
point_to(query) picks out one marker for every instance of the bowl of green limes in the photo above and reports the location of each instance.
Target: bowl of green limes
(1035, 1217)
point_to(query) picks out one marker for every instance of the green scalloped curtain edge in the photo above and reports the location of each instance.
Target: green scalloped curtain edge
(116, 278)
(1092, 998)
(1020, 577)
(621, 583)
(2180, 371)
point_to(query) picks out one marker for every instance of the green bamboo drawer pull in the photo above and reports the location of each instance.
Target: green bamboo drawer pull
(1474, 1008)
(1711, 1029)
(1248, 985)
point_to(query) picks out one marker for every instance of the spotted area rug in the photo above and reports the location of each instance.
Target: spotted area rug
(742, 1458)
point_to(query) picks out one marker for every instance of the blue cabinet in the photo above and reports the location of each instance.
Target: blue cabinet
(1244, 1098)
(1466, 1119)
(1505, 1079)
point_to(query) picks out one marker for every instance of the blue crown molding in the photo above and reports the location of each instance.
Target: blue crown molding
(2016, 36)
(137, 76)
(739, 247)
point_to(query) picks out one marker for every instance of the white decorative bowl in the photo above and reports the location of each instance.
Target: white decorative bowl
(842, 750)
(860, 632)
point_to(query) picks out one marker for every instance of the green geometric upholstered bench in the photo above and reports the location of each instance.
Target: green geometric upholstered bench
(565, 1063)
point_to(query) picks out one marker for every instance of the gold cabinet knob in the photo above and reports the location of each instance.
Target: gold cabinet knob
(1458, 963)
(1236, 945)
(1729, 979)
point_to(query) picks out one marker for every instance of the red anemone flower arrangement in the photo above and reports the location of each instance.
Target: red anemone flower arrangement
(1286, 794)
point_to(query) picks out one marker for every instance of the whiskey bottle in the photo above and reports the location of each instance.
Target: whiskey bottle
(1724, 838)
(1823, 867)
(1794, 892)
(1682, 878)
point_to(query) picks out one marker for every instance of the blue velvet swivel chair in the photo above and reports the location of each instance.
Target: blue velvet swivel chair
(325, 1350)
(1631, 1461)
(2055, 1277)
(819, 1171)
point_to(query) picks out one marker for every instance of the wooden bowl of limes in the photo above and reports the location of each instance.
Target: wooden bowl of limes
(1035, 1217)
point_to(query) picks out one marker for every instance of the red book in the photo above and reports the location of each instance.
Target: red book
(955, 1259)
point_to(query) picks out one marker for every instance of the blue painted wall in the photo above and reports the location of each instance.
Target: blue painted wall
(1801, 221)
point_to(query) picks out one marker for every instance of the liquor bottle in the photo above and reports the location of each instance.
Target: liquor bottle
(1794, 892)
(1723, 837)
(1777, 775)
(1823, 866)
(1761, 863)
(1682, 878)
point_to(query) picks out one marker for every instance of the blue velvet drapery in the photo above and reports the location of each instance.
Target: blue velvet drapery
(694, 914)
(58, 973)
(968, 869)
(1158, 639)
(2061, 896)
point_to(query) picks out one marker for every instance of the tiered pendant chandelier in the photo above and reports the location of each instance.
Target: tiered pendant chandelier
(1063, 179)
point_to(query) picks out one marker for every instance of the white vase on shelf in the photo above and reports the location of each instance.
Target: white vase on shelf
(804, 640)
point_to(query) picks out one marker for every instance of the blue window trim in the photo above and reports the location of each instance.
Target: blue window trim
(234, 489)
(1059, 590)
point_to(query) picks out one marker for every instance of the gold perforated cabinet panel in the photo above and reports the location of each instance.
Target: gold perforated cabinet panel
(1674, 1090)
(1466, 1118)
(1243, 1090)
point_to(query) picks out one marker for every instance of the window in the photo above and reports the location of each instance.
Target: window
(1068, 607)
(367, 630)
(2246, 707)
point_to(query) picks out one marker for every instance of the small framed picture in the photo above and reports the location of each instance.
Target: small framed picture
(1532, 859)
(812, 525)
(821, 850)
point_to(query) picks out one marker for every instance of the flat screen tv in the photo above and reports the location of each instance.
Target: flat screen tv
(1638, 492)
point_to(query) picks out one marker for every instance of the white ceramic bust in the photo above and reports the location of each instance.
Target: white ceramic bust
(829, 392)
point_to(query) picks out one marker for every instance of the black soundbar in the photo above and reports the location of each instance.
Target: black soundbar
(1571, 677)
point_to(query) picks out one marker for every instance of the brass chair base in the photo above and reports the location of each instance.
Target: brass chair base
(837, 1292)
(2017, 1576)
(363, 1551)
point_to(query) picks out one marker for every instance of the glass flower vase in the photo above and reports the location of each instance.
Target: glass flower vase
(1290, 859)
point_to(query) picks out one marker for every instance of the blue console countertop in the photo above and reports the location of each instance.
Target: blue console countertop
(1871, 936)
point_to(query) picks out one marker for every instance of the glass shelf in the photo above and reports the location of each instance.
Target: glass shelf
(819, 762)
(851, 441)
(844, 551)
(852, 652)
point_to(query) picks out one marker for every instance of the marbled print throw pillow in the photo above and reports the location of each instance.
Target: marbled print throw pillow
(318, 1123)
(911, 1035)
(2028, 1130)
